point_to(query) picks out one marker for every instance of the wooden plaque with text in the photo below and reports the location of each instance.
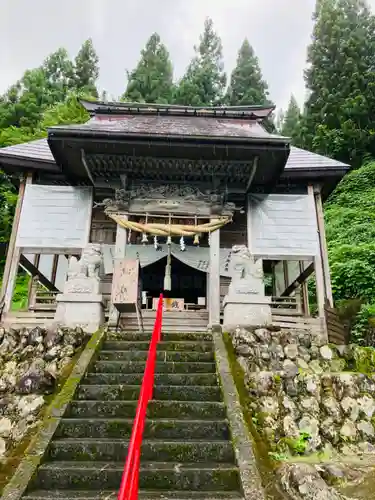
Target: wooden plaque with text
(126, 284)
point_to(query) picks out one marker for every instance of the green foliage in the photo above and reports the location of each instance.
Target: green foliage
(204, 81)
(17, 135)
(21, 292)
(59, 74)
(291, 121)
(8, 200)
(363, 330)
(341, 81)
(278, 457)
(152, 80)
(295, 446)
(247, 86)
(68, 112)
(350, 226)
(87, 69)
(24, 103)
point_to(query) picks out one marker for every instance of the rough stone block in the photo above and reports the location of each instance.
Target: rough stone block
(246, 310)
(78, 309)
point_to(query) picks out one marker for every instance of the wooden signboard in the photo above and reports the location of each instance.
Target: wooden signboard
(126, 284)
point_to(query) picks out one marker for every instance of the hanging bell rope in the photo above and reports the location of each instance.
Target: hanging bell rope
(170, 229)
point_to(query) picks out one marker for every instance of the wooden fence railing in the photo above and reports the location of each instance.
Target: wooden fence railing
(338, 332)
(42, 300)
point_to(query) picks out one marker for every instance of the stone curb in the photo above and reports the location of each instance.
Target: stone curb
(34, 453)
(250, 477)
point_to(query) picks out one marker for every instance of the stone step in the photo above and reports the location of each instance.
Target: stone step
(155, 476)
(80, 428)
(183, 356)
(156, 409)
(175, 328)
(169, 336)
(139, 366)
(143, 495)
(160, 378)
(178, 321)
(161, 393)
(150, 314)
(177, 345)
(116, 450)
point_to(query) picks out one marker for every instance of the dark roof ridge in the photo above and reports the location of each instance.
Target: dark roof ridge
(252, 112)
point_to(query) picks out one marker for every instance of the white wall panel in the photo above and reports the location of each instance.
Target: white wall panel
(55, 217)
(283, 225)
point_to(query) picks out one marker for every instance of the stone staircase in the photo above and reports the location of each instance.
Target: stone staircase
(187, 451)
(181, 321)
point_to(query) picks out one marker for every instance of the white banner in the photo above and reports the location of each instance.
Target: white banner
(55, 217)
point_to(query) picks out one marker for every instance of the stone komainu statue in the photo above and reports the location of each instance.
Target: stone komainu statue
(88, 266)
(246, 272)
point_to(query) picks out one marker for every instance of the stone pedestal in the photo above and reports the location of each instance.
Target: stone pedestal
(80, 309)
(81, 304)
(246, 304)
(246, 310)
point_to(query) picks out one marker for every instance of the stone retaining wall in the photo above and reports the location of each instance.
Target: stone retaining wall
(310, 401)
(31, 363)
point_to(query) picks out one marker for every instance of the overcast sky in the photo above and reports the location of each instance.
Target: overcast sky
(279, 31)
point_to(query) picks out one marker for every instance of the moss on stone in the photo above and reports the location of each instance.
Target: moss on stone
(265, 465)
(364, 358)
(38, 442)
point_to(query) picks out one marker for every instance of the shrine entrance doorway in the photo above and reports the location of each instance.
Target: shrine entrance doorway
(189, 286)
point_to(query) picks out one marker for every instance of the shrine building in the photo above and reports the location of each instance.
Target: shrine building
(177, 188)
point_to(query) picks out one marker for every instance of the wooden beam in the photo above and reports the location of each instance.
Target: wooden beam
(13, 236)
(319, 274)
(55, 263)
(286, 273)
(323, 245)
(34, 271)
(298, 281)
(31, 291)
(305, 291)
(14, 251)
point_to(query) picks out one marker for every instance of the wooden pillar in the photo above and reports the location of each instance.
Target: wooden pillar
(319, 274)
(33, 283)
(55, 263)
(286, 274)
(305, 292)
(323, 245)
(120, 252)
(13, 235)
(248, 219)
(13, 255)
(214, 277)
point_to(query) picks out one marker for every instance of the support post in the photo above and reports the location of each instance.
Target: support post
(120, 252)
(248, 220)
(214, 277)
(13, 255)
(323, 244)
(305, 291)
(319, 273)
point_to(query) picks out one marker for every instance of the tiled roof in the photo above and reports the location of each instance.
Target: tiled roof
(194, 126)
(34, 150)
(304, 160)
(299, 159)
